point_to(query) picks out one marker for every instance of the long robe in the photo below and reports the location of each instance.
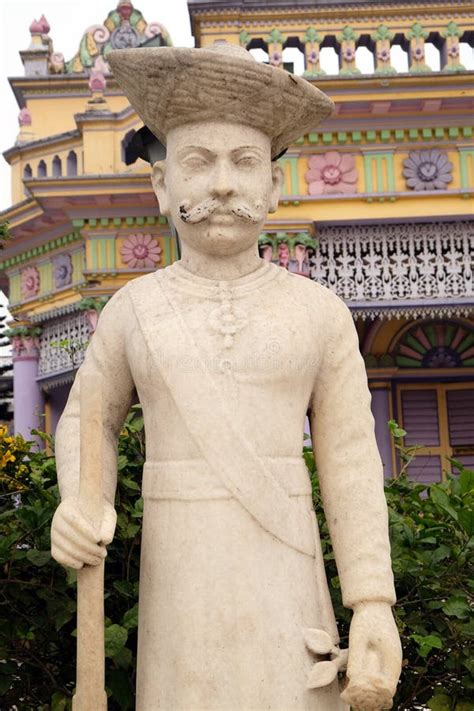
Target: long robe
(223, 603)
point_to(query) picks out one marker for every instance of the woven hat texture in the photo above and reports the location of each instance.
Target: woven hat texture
(170, 87)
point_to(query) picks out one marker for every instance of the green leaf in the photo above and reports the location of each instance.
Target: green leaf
(466, 520)
(115, 639)
(439, 702)
(456, 606)
(441, 499)
(130, 618)
(129, 483)
(119, 684)
(466, 480)
(38, 558)
(441, 553)
(59, 702)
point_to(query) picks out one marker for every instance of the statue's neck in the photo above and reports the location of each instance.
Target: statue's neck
(221, 267)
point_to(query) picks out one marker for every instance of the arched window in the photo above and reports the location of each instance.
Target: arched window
(72, 163)
(27, 172)
(57, 167)
(42, 169)
(125, 146)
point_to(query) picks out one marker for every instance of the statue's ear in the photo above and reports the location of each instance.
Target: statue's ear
(159, 185)
(277, 184)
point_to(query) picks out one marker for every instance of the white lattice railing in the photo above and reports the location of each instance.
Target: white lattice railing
(397, 262)
(63, 343)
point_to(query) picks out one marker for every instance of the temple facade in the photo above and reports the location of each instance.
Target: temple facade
(377, 202)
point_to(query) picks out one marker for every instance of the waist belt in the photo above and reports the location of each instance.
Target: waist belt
(192, 479)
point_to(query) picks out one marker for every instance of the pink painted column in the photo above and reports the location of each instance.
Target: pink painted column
(28, 400)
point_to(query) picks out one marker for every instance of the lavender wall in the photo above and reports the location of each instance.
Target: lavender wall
(381, 413)
(28, 401)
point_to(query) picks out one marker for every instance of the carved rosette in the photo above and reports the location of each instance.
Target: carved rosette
(30, 282)
(427, 170)
(331, 173)
(141, 251)
(62, 270)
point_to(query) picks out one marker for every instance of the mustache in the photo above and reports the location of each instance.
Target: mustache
(202, 211)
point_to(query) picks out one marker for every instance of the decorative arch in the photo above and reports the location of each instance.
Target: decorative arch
(27, 172)
(71, 163)
(435, 344)
(57, 167)
(42, 169)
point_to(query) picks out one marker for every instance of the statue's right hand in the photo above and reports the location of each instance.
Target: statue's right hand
(74, 541)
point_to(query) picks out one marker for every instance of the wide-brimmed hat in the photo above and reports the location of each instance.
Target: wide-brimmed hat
(170, 87)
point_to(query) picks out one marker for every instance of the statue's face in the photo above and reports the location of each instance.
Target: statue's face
(218, 184)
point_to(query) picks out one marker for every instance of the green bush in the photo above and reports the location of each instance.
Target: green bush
(431, 529)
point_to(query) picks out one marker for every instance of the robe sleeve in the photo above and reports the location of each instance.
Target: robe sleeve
(349, 465)
(106, 355)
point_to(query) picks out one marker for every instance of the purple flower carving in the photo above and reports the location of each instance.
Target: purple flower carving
(418, 52)
(348, 54)
(313, 56)
(383, 55)
(453, 51)
(427, 170)
(62, 269)
(276, 58)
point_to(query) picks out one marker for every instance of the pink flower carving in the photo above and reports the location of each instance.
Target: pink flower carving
(313, 56)
(383, 55)
(30, 282)
(331, 173)
(140, 251)
(453, 51)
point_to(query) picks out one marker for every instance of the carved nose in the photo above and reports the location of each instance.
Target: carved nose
(221, 183)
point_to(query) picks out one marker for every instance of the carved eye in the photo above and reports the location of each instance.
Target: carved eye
(246, 161)
(195, 162)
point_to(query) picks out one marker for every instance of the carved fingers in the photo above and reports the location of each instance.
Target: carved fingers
(375, 657)
(74, 541)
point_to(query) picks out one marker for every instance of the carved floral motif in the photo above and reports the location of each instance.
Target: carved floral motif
(30, 282)
(141, 251)
(62, 270)
(123, 28)
(331, 173)
(427, 170)
(24, 117)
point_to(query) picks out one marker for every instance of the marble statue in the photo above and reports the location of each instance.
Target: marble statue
(227, 353)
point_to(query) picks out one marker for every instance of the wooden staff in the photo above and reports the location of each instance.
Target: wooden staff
(90, 675)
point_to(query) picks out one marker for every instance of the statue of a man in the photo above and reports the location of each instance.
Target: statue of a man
(227, 353)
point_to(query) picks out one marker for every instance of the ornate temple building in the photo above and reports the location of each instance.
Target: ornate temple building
(377, 202)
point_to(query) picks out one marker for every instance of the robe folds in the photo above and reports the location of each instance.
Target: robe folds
(229, 586)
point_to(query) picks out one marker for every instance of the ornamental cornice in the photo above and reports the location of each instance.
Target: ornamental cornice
(411, 312)
(349, 11)
(67, 138)
(40, 250)
(57, 312)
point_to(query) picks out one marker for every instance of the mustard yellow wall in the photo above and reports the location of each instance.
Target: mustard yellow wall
(52, 115)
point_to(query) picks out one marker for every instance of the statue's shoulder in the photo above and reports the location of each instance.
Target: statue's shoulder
(324, 308)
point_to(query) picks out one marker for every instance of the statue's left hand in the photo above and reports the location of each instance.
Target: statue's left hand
(375, 657)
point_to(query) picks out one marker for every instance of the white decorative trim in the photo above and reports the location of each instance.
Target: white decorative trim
(398, 266)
